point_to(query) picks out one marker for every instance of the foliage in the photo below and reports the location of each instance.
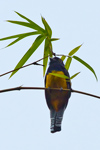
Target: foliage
(64, 76)
(69, 60)
(43, 34)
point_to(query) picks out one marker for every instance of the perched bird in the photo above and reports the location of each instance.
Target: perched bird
(57, 100)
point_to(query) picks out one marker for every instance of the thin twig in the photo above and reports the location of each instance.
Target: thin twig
(63, 55)
(80, 92)
(43, 88)
(33, 63)
(31, 88)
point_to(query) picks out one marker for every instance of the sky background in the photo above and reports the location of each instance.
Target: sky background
(24, 116)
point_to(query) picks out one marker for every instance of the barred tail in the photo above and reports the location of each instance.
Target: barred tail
(56, 120)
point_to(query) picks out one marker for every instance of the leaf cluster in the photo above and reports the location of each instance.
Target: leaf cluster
(69, 60)
(44, 34)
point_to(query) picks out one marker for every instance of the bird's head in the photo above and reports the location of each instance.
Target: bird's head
(56, 60)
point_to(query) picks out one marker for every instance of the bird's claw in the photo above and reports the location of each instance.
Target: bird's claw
(61, 89)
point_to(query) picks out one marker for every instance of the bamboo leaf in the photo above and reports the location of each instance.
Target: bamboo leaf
(47, 28)
(20, 35)
(63, 58)
(54, 39)
(50, 49)
(46, 52)
(26, 24)
(68, 62)
(15, 41)
(27, 55)
(86, 65)
(60, 75)
(74, 75)
(22, 16)
(72, 52)
(35, 26)
(64, 76)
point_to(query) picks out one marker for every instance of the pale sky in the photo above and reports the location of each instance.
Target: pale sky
(24, 116)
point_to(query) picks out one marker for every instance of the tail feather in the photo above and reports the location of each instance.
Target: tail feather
(56, 124)
(56, 120)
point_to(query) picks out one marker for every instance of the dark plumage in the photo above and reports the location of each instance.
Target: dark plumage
(56, 100)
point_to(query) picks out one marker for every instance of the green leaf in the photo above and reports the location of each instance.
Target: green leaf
(35, 26)
(50, 49)
(68, 62)
(63, 58)
(86, 65)
(27, 55)
(72, 52)
(20, 35)
(54, 39)
(47, 28)
(74, 75)
(64, 76)
(26, 24)
(15, 41)
(22, 16)
(46, 52)
(60, 75)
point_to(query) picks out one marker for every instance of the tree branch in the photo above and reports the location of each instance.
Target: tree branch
(43, 88)
(88, 94)
(33, 63)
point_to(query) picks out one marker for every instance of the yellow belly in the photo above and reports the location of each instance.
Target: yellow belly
(58, 98)
(54, 81)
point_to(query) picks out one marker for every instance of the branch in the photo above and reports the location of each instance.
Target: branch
(33, 63)
(43, 88)
(88, 94)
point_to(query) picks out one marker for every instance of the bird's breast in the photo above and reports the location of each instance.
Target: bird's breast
(54, 81)
(57, 98)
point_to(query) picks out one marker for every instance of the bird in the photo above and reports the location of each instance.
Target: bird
(57, 100)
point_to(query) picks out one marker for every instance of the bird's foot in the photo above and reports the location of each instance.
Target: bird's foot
(61, 89)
